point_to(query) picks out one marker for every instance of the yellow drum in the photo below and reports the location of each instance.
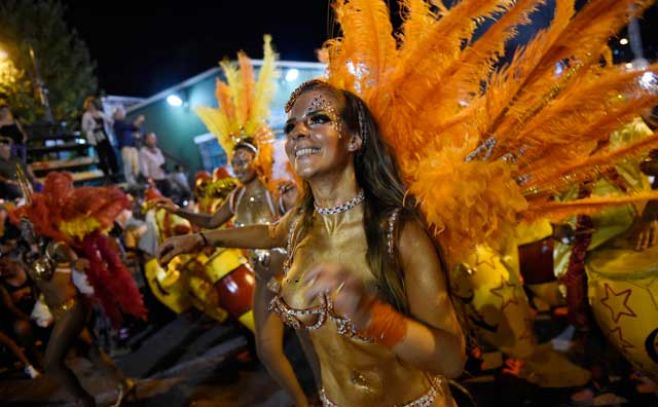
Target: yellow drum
(169, 286)
(234, 283)
(623, 293)
(489, 287)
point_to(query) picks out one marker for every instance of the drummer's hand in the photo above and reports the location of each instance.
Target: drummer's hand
(647, 235)
(349, 294)
(166, 204)
(176, 245)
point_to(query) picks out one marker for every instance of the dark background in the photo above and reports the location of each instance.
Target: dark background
(143, 47)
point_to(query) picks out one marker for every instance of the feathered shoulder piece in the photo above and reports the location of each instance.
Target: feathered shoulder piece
(483, 146)
(244, 106)
(65, 213)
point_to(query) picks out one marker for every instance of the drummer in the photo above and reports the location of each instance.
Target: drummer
(252, 203)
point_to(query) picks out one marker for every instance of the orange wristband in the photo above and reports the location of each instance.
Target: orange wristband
(386, 326)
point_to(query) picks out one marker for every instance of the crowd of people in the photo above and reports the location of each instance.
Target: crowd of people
(142, 159)
(143, 162)
(434, 206)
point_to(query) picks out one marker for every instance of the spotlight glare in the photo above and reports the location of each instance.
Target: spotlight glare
(292, 74)
(649, 82)
(623, 41)
(174, 100)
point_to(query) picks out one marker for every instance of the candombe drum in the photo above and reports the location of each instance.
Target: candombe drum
(201, 290)
(234, 281)
(169, 285)
(623, 293)
(489, 287)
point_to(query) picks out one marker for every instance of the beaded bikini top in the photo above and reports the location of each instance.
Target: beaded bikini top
(294, 317)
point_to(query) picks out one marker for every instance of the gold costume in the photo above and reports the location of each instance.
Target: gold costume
(355, 372)
(252, 206)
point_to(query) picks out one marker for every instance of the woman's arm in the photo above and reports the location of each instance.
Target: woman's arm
(248, 237)
(221, 216)
(431, 339)
(434, 339)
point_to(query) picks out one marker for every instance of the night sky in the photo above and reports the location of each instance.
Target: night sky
(141, 49)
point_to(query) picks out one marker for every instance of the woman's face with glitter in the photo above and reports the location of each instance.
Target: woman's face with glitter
(243, 165)
(316, 137)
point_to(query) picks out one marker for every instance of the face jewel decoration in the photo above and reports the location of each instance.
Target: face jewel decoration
(320, 103)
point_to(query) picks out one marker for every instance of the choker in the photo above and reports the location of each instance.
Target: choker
(344, 207)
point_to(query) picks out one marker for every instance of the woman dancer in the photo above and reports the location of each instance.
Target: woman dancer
(479, 149)
(363, 276)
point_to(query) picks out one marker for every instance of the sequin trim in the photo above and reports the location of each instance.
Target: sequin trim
(426, 400)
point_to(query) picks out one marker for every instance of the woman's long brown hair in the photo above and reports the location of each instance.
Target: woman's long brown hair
(378, 175)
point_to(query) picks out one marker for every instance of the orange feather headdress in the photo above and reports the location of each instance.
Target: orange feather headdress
(482, 147)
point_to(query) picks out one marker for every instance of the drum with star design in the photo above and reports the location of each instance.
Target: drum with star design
(623, 293)
(489, 288)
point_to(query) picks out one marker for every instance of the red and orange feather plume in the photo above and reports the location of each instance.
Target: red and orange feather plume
(81, 217)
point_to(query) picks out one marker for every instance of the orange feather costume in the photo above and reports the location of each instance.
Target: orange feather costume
(483, 148)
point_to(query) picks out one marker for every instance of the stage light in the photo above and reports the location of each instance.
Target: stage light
(292, 74)
(559, 68)
(174, 100)
(623, 41)
(649, 81)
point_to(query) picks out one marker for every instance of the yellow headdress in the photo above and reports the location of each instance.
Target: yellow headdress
(479, 147)
(244, 105)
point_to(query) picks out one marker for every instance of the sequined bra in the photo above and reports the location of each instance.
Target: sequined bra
(293, 317)
(43, 267)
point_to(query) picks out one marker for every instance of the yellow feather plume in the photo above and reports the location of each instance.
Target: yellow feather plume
(216, 122)
(466, 202)
(586, 137)
(591, 100)
(557, 178)
(247, 88)
(367, 41)
(264, 89)
(243, 104)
